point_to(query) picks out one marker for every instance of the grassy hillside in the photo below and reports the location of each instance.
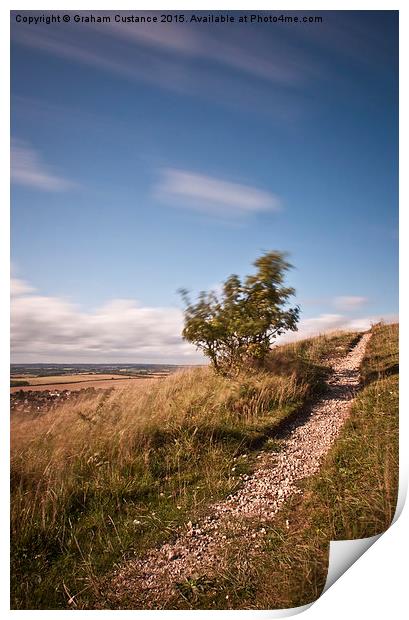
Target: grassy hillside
(104, 479)
(353, 496)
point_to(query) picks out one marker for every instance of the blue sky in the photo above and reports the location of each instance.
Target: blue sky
(149, 157)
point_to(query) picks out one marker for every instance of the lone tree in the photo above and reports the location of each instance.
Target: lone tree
(238, 327)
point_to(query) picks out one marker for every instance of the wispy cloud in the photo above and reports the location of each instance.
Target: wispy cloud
(244, 54)
(213, 196)
(28, 169)
(104, 45)
(233, 70)
(349, 302)
(45, 328)
(223, 65)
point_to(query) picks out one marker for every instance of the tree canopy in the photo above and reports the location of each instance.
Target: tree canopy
(238, 326)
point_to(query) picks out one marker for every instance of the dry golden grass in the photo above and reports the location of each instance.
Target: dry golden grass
(102, 384)
(88, 470)
(83, 474)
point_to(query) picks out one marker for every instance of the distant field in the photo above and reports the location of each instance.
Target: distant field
(79, 382)
(53, 379)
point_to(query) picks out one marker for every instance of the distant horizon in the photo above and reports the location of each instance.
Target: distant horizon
(127, 364)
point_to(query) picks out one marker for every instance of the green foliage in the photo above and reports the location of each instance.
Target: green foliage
(18, 383)
(238, 327)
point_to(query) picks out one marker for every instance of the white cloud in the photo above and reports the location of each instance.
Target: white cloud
(320, 324)
(28, 169)
(325, 323)
(349, 303)
(217, 197)
(54, 330)
(19, 287)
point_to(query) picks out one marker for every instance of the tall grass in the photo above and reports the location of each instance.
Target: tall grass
(108, 476)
